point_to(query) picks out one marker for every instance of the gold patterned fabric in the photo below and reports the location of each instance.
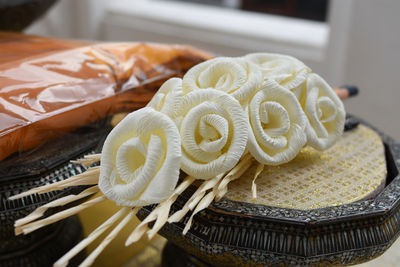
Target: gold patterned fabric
(353, 169)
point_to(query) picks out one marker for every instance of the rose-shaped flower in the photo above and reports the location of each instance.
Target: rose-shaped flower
(140, 159)
(168, 98)
(277, 125)
(325, 113)
(235, 76)
(214, 131)
(287, 71)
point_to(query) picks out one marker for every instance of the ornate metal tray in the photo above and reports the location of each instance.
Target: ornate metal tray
(232, 233)
(37, 167)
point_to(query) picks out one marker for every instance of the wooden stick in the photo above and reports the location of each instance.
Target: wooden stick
(194, 199)
(95, 253)
(260, 168)
(235, 173)
(55, 203)
(93, 156)
(160, 213)
(204, 187)
(204, 203)
(182, 186)
(89, 180)
(117, 118)
(220, 191)
(164, 211)
(141, 229)
(89, 177)
(178, 216)
(30, 227)
(63, 261)
(162, 217)
(88, 160)
(346, 91)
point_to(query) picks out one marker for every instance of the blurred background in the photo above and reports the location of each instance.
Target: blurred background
(346, 41)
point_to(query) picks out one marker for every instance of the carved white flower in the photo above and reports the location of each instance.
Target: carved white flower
(214, 132)
(140, 159)
(235, 76)
(277, 125)
(325, 113)
(168, 98)
(287, 71)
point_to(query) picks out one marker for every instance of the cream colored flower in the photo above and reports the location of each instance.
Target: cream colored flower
(168, 98)
(235, 76)
(277, 125)
(214, 131)
(287, 71)
(140, 159)
(325, 113)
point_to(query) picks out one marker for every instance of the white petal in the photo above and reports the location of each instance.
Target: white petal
(235, 76)
(325, 113)
(168, 98)
(214, 132)
(285, 70)
(277, 125)
(141, 159)
(130, 187)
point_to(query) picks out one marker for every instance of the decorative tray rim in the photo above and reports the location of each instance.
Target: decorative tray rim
(383, 203)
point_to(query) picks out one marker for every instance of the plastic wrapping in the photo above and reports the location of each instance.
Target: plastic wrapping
(51, 87)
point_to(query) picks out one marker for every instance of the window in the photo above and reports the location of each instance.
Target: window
(305, 9)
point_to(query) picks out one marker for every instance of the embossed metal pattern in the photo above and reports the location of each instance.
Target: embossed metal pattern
(12, 210)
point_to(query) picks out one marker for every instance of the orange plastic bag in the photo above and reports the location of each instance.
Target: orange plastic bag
(50, 86)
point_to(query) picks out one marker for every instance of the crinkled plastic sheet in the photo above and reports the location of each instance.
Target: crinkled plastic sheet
(55, 93)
